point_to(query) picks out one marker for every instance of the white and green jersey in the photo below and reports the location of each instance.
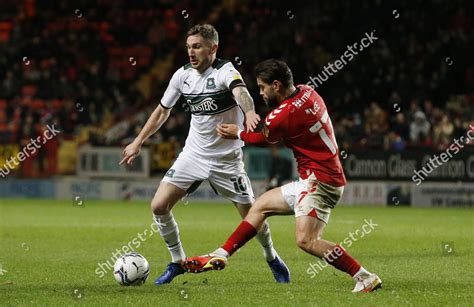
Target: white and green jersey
(210, 100)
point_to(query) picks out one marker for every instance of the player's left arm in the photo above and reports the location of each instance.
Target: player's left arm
(243, 98)
(232, 79)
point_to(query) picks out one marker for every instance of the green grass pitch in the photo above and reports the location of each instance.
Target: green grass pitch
(50, 250)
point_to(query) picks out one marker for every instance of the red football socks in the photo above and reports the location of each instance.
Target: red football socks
(239, 237)
(340, 259)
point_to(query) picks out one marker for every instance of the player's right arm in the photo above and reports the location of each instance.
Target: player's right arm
(156, 120)
(276, 124)
(231, 131)
(262, 138)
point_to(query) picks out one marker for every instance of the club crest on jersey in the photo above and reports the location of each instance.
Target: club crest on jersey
(210, 84)
(170, 173)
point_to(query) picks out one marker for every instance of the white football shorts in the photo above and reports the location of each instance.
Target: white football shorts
(316, 201)
(226, 175)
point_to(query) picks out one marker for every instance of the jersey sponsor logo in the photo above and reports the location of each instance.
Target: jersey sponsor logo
(210, 84)
(301, 101)
(210, 103)
(298, 103)
(207, 105)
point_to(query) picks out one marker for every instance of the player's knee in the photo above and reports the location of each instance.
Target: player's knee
(260, 207)
(255, 209)
(309, 241)
(159, 206)
(303, 240)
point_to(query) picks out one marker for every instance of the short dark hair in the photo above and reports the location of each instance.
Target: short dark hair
(207, 31)
(272, 69)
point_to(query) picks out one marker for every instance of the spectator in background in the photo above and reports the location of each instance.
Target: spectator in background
(399, 134)
(429, 110)
(376, 124)
(443, 133)
(354, 130)
(414, 107)
(4, 131)
(458, 128)
(420, 129)
(394, 142)
(400, 127)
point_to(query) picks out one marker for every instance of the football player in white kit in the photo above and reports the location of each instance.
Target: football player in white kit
(215, 93)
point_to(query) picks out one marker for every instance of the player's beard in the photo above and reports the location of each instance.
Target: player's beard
(272, 102)
(203, 64)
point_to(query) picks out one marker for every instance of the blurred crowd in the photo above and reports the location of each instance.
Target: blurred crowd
(84, 66)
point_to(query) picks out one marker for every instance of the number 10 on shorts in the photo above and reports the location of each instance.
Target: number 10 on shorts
(239, 184)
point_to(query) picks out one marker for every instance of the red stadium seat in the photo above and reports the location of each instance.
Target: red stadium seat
(29, 90)
(38, 104)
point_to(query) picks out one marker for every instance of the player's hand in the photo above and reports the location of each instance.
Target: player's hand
(130, 152)
(252, 120)
(228, 131)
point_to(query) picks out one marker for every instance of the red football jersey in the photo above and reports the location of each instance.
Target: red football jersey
(302, 122)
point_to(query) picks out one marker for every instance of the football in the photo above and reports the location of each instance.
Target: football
(131, 269)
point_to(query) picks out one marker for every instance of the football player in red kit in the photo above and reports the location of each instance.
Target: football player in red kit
(301, 121)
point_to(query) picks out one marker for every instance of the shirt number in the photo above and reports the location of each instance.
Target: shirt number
(319, 129)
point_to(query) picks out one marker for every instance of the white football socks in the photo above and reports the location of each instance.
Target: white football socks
(265, 238)
(170, 233)
(221, 253)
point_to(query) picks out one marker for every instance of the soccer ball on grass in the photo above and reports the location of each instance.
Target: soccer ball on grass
(131, 269)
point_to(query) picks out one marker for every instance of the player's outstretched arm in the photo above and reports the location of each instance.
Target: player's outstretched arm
(243, 98)
(157, 118)
(231, 131)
